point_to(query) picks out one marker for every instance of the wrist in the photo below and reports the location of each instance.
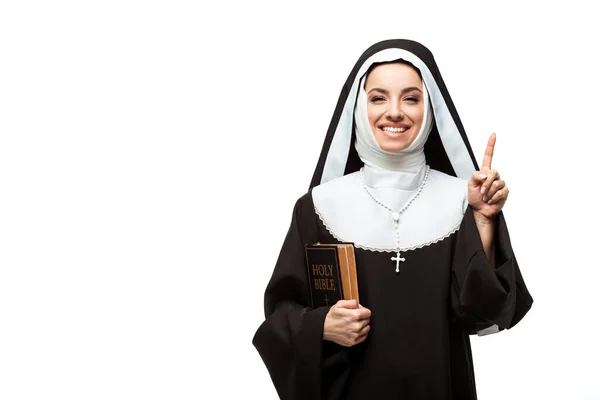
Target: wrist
(482, 220)
(326, 335)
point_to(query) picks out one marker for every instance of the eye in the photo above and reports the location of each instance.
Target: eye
(412, 99)
(377, 99)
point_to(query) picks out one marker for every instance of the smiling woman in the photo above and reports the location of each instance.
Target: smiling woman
(396, 178)
(395, 105)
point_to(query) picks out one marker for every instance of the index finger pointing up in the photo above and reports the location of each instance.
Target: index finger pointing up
(489, 152)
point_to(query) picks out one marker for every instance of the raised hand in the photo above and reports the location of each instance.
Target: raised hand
(487, 192)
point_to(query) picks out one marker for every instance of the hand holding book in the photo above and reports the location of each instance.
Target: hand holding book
(333, 283)
(347, 323)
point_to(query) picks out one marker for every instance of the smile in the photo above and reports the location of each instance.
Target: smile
(393, 130)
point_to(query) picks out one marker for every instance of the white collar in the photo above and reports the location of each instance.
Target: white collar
(351, 215)
(380, 178)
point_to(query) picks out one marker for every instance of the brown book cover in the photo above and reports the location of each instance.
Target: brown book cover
(331, 273)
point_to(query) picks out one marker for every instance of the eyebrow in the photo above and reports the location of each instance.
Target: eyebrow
(404, 91)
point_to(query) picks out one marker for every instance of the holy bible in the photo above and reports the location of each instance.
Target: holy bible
(331, 273)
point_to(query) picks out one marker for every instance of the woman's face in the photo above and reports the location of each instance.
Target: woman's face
(395, 105)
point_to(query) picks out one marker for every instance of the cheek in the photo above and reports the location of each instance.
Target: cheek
(373, 116)
(418, 116)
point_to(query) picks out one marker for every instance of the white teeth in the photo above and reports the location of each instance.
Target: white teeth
(394, 130)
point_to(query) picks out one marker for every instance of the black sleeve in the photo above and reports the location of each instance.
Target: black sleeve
(290, 340)
(482, 296)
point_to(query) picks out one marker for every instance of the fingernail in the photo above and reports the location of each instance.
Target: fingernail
(482, 176)
(485, 198)
(483, 189)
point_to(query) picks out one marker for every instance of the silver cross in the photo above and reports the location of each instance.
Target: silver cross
(398, 259)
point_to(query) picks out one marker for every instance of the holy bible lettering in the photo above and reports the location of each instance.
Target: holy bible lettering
(326, 280)
(331, 273)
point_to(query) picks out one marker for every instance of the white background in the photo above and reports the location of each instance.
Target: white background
(151, 153)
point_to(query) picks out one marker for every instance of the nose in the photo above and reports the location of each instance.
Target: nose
(395, 113)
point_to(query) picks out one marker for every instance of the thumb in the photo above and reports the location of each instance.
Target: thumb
(347, 304)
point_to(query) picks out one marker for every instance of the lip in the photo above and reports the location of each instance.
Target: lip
(393, 135)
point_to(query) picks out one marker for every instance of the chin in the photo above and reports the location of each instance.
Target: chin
(392, 147)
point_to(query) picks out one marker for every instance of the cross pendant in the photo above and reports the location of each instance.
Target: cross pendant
(398, 259)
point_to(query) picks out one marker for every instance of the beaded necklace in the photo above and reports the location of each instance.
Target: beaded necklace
(395, 214)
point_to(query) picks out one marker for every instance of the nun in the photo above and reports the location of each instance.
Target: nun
(397, 178)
